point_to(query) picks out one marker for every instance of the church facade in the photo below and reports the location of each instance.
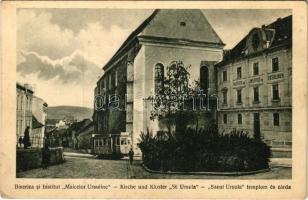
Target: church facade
(166, 36)
(130, 75)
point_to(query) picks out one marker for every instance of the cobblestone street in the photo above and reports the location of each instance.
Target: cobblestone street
(87, 166)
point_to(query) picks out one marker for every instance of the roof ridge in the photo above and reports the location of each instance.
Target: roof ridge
(133, 35)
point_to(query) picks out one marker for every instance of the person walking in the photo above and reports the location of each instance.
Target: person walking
(131, 156)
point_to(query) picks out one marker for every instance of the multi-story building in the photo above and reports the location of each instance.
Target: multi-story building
(39, 117)
(255, 84)
(23, 109)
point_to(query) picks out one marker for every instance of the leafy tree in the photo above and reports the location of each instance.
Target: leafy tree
(171, 98)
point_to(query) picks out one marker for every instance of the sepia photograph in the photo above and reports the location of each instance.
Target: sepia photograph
(163, 93)
(153, 99)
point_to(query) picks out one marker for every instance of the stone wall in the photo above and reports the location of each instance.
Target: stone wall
(32, 158)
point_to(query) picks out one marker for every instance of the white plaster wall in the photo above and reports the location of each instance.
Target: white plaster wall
(138, 94)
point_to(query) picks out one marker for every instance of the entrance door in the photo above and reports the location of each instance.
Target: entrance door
(256, 125)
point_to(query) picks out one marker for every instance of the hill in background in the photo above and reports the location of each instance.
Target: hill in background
(59, 112)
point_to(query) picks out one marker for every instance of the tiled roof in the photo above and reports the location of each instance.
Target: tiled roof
(176, 24)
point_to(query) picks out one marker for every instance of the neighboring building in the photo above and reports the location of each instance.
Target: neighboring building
(77, 128)
(85, 136)
(62, 125)
(39, 112)
(164, 37)
(255, 84)
(24, 96)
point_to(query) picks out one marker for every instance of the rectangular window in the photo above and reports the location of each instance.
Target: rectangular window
(239, 96)
(276, 119)
(239, 73)
(224, 97)
(255, 69)
(113, 84)
(116, 78)
(20, 103)
(224, 76)
(256, 94)
(275, 91)
(239, 119)
(102, 85)
(98, 88)
(275, 64)
(109, 81)
(225, 118)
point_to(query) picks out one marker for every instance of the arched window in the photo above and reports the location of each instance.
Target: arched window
(204, 79)
(159, 77)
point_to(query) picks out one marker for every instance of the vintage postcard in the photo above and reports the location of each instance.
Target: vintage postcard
(157, 99)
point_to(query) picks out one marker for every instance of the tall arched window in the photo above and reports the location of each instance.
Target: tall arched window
(159, 77)
(204, 79)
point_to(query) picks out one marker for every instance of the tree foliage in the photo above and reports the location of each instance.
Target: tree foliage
(171, 99)
(204, 150)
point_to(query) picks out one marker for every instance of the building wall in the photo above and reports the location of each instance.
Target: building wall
(39, 110)
(143, 80)
(23, 109)
(138, 95)
(266, 106)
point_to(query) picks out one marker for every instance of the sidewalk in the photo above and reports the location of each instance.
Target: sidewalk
(281, 162)
(73, 154)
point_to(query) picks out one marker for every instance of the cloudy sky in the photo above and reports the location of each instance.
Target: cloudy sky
(61, 51)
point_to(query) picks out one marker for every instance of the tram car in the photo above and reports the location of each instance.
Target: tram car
(115, 144)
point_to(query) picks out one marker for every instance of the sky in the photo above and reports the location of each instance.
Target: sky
(61, 52)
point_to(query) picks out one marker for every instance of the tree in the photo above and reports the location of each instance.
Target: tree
(170, 100)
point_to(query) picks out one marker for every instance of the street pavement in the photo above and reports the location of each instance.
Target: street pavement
(78, 165)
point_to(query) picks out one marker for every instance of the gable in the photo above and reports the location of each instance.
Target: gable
(173, 24)
(181, 24)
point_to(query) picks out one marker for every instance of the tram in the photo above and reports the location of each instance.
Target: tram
(104, 145)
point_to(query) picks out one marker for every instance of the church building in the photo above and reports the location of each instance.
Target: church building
(164, 37)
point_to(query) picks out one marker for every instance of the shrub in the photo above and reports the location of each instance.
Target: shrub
(203, 150)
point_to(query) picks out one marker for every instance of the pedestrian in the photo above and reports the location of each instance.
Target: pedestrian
(45, 156)
(131, 156)
(20, 141)
(26, 139)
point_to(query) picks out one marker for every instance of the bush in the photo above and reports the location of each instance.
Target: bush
(203, 150)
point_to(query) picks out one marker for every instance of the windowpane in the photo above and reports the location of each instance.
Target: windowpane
(275, 64)
(224, 76)
(159, 77)
(255, 68)
(204, 79)
(225, 100)
(239, 118)
(256, 94)
(239, 96)
(275, 91)
(276, 119)
(225, 118)
(239, 72)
